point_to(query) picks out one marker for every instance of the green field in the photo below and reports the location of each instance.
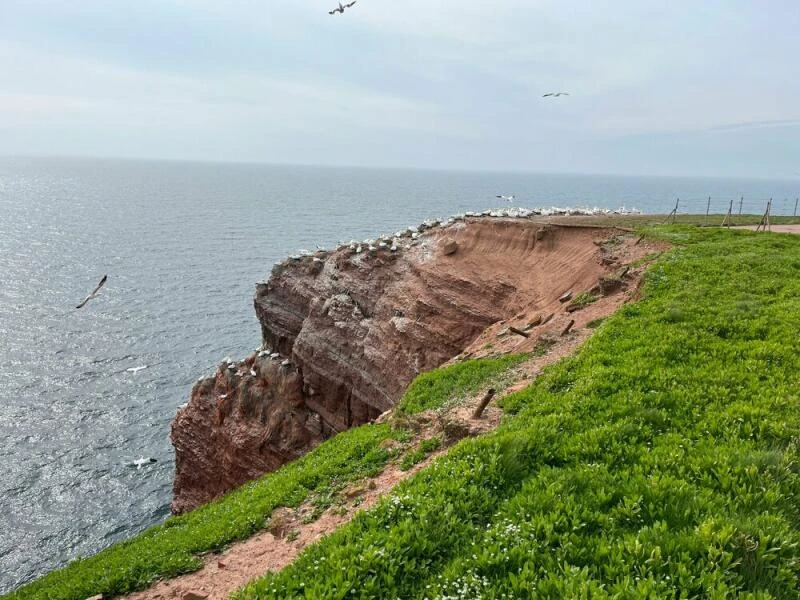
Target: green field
(659, 462)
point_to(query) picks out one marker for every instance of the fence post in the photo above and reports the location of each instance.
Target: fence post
(769, 209)
(765, 219)
(708, 208)
(727, 219)
(794, 214)
(741, 201)
(674, 212)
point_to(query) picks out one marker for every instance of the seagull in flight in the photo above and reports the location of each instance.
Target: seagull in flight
(341, 7)
(94, 293)
(506, 198)
(555, 94)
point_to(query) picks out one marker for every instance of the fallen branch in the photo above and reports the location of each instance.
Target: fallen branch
(518, 332)
(484, 403)
(567, 328)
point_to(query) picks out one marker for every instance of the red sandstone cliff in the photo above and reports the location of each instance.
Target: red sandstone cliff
(348, 330)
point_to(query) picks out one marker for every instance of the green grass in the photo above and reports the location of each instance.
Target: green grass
(595, 323)
(171, 548)
(418, 455)
(662, 461)
(584, 299)
(438, 387)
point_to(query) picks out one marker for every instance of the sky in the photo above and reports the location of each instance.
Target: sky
(656, 88)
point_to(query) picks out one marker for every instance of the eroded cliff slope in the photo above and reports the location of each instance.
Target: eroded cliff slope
(346, 331)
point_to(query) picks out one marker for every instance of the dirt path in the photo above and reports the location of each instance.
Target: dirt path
(224, 573)
(774, 228)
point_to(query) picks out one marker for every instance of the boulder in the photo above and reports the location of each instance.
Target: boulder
(449, 247)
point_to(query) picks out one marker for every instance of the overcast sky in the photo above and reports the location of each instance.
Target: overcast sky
(688, 87)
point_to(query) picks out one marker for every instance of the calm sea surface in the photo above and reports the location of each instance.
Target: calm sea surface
(183, 245)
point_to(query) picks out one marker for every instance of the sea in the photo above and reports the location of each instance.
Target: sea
(87, 392)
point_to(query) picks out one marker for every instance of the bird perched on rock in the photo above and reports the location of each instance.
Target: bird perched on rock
(94, 293)
(142, 461)
(341, 7)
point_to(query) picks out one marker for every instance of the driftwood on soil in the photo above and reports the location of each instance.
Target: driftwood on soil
(568, 327)
(537, 320)
(483, 404)
(519, 332)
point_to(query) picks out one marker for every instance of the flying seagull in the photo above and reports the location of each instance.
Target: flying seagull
(94, 293)
(506, 198)
(555, 94)
(341, 7)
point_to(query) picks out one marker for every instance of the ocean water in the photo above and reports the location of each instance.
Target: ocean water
(183, 245)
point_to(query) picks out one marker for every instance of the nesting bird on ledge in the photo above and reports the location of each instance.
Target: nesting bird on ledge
(341, 7)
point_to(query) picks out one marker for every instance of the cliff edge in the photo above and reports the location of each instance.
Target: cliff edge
(344, 333)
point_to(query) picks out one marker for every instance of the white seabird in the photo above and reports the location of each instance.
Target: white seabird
(94, 293)
(506, 198)
(141, 461)
(136, 369)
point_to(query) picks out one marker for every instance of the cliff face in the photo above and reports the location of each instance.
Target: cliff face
(345, 332)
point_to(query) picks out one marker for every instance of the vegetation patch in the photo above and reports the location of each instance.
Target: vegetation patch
(645, 260)
(595, 323)
(420, 453)
(584, 299)
(660, 462)
(436, 388)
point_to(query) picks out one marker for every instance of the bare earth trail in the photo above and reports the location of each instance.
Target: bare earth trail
(774, 228)
(287, 535)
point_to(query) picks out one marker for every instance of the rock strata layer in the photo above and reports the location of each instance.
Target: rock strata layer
(345, 332)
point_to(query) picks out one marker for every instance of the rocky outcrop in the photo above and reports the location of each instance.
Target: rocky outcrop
(346, 331)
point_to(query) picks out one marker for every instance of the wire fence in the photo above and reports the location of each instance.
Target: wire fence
(716, 207)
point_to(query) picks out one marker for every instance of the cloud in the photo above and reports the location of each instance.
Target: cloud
(427, 82)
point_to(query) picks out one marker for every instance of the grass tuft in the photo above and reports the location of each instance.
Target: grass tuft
(436, 388)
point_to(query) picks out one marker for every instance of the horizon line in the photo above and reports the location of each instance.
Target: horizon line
(511, 171)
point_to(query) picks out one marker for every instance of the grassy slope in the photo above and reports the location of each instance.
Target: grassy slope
(170, 549)
(434, 388)
(661, 462)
